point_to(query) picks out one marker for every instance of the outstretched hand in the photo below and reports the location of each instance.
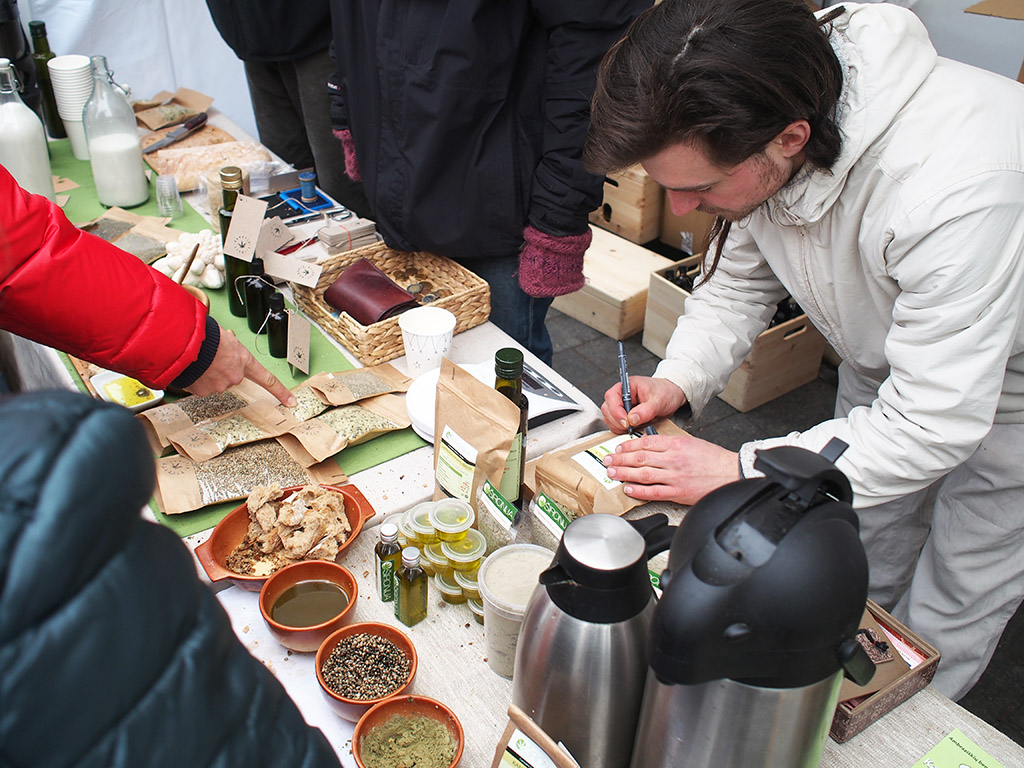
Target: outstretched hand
(232, 363)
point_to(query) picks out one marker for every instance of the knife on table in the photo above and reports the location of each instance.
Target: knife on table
(188, 127)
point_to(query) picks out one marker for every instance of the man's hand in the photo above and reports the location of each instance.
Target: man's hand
(678, 468)
(652, 399)
(232, 363)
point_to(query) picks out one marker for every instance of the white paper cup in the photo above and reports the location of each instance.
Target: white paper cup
(506, 581)
(76, 134)
(427, 336)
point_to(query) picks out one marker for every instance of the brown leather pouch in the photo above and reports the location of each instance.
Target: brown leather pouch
(367, 294)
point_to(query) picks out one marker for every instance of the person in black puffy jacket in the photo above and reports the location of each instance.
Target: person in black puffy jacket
(112, 653)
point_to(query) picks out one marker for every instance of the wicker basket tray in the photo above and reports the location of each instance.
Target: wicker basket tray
(461, 292)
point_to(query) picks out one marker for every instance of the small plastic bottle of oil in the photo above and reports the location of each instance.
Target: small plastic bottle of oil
(387, 556)
(410, 589)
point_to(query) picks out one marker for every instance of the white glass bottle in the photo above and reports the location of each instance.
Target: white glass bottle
(23, 149)
(113, 140)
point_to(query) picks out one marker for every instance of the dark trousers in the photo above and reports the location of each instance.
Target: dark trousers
(291, 105)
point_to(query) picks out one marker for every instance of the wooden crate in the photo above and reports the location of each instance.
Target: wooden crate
(689, 232)
(632, 205)
(614, 298)
(783, 357)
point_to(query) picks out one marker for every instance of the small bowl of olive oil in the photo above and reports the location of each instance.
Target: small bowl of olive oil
(305, 602)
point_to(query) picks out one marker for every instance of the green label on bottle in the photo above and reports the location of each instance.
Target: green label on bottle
(385, 580)
(552, 511)
(498, 501)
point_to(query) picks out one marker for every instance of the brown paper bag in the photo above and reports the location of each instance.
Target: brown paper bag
(575, 478)
(164, 420)
(474, 428)
(358, 384)
(255, 422)
(336, 429)
(184, 485)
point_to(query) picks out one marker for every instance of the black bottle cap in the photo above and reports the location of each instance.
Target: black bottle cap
(508, 363)
(256, 266)
(37, 28)
(276, 301)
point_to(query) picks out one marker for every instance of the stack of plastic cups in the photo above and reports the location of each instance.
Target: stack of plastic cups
(72, 79)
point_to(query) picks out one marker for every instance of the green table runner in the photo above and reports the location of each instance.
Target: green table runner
(83, 206)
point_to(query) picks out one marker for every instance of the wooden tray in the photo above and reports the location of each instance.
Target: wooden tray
(205, 136)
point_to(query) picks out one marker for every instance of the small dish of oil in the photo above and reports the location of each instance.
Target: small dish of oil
(308, 603)
(124, 390)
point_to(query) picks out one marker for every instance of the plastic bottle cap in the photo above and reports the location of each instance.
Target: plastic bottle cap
(276, 301)
(388, 532)
(410, 557)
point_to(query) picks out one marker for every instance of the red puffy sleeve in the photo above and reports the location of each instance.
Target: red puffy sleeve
(70, 290)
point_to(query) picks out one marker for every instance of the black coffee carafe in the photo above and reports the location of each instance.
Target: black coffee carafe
(763, 595)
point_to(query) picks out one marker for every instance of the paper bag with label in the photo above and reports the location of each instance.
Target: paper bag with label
(346, 387)
(524, 743)
(474, 427)
(575, 477)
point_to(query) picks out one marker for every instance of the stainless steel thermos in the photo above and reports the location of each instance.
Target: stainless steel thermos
(581, 657)
(762, 599)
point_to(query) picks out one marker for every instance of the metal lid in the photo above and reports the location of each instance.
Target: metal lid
(508, 363)
(603, 542)
(231, 177)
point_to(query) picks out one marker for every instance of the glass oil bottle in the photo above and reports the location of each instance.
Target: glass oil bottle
(387, 556)
(410, 589)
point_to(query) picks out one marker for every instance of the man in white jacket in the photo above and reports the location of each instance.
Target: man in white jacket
(883, 188)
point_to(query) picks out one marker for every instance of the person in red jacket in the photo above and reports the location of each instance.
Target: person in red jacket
(73, 291)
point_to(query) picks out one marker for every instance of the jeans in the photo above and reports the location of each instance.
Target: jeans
(514, 311)
(292, 109)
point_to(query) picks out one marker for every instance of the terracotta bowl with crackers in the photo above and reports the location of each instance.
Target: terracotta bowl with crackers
(225, 550)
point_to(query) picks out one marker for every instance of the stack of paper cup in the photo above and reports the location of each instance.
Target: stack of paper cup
(71, 78)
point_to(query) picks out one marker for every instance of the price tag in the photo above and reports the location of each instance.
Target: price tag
(244, 230)
(273, 234)
(298, 341)
(291, 269)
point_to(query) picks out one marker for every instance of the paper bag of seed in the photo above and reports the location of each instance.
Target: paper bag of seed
(257, 421)
(164, 420)
(575, 479)
(337, 428)
(524, 743)
(474, 428)
(184, 485)
(358, 384)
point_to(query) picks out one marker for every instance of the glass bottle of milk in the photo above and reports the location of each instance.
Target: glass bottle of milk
(23, 149)
(113, 140)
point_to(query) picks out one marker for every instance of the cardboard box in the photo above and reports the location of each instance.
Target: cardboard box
(614, 299)
(632, 205)
(1001, 9)
(854, 716)
(688, 232)
(783, 357)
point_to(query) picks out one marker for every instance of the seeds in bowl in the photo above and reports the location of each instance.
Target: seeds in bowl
(365, 666)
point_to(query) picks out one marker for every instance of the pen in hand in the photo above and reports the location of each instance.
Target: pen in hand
(626, 396)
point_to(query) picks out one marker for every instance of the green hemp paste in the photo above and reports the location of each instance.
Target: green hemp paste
(408, 741)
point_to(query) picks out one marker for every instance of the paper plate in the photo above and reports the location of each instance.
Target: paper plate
(126, 391)
(421, 399)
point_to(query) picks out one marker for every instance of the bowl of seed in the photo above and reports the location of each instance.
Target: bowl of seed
(362, 664)
(408, 730)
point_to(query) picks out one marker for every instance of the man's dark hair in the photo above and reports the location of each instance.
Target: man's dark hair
(724, 75)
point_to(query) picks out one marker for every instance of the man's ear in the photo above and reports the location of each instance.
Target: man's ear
(793, 138)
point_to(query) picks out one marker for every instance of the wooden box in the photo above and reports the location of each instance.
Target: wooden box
(614, 298)
(632, 205)
(783, 357)
(854, 716)
(689, 232)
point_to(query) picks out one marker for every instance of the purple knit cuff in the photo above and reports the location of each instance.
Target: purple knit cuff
(349, 147)
(552, 266)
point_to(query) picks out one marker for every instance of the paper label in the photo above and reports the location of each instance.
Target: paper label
(552, 513)
(298, 341)
(510, 487)
(957, 751)
(456, 462)
(273, 234)
(244, 230)
(592, 460)
(293, 270)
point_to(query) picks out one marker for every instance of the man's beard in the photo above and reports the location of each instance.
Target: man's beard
(771, 178)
